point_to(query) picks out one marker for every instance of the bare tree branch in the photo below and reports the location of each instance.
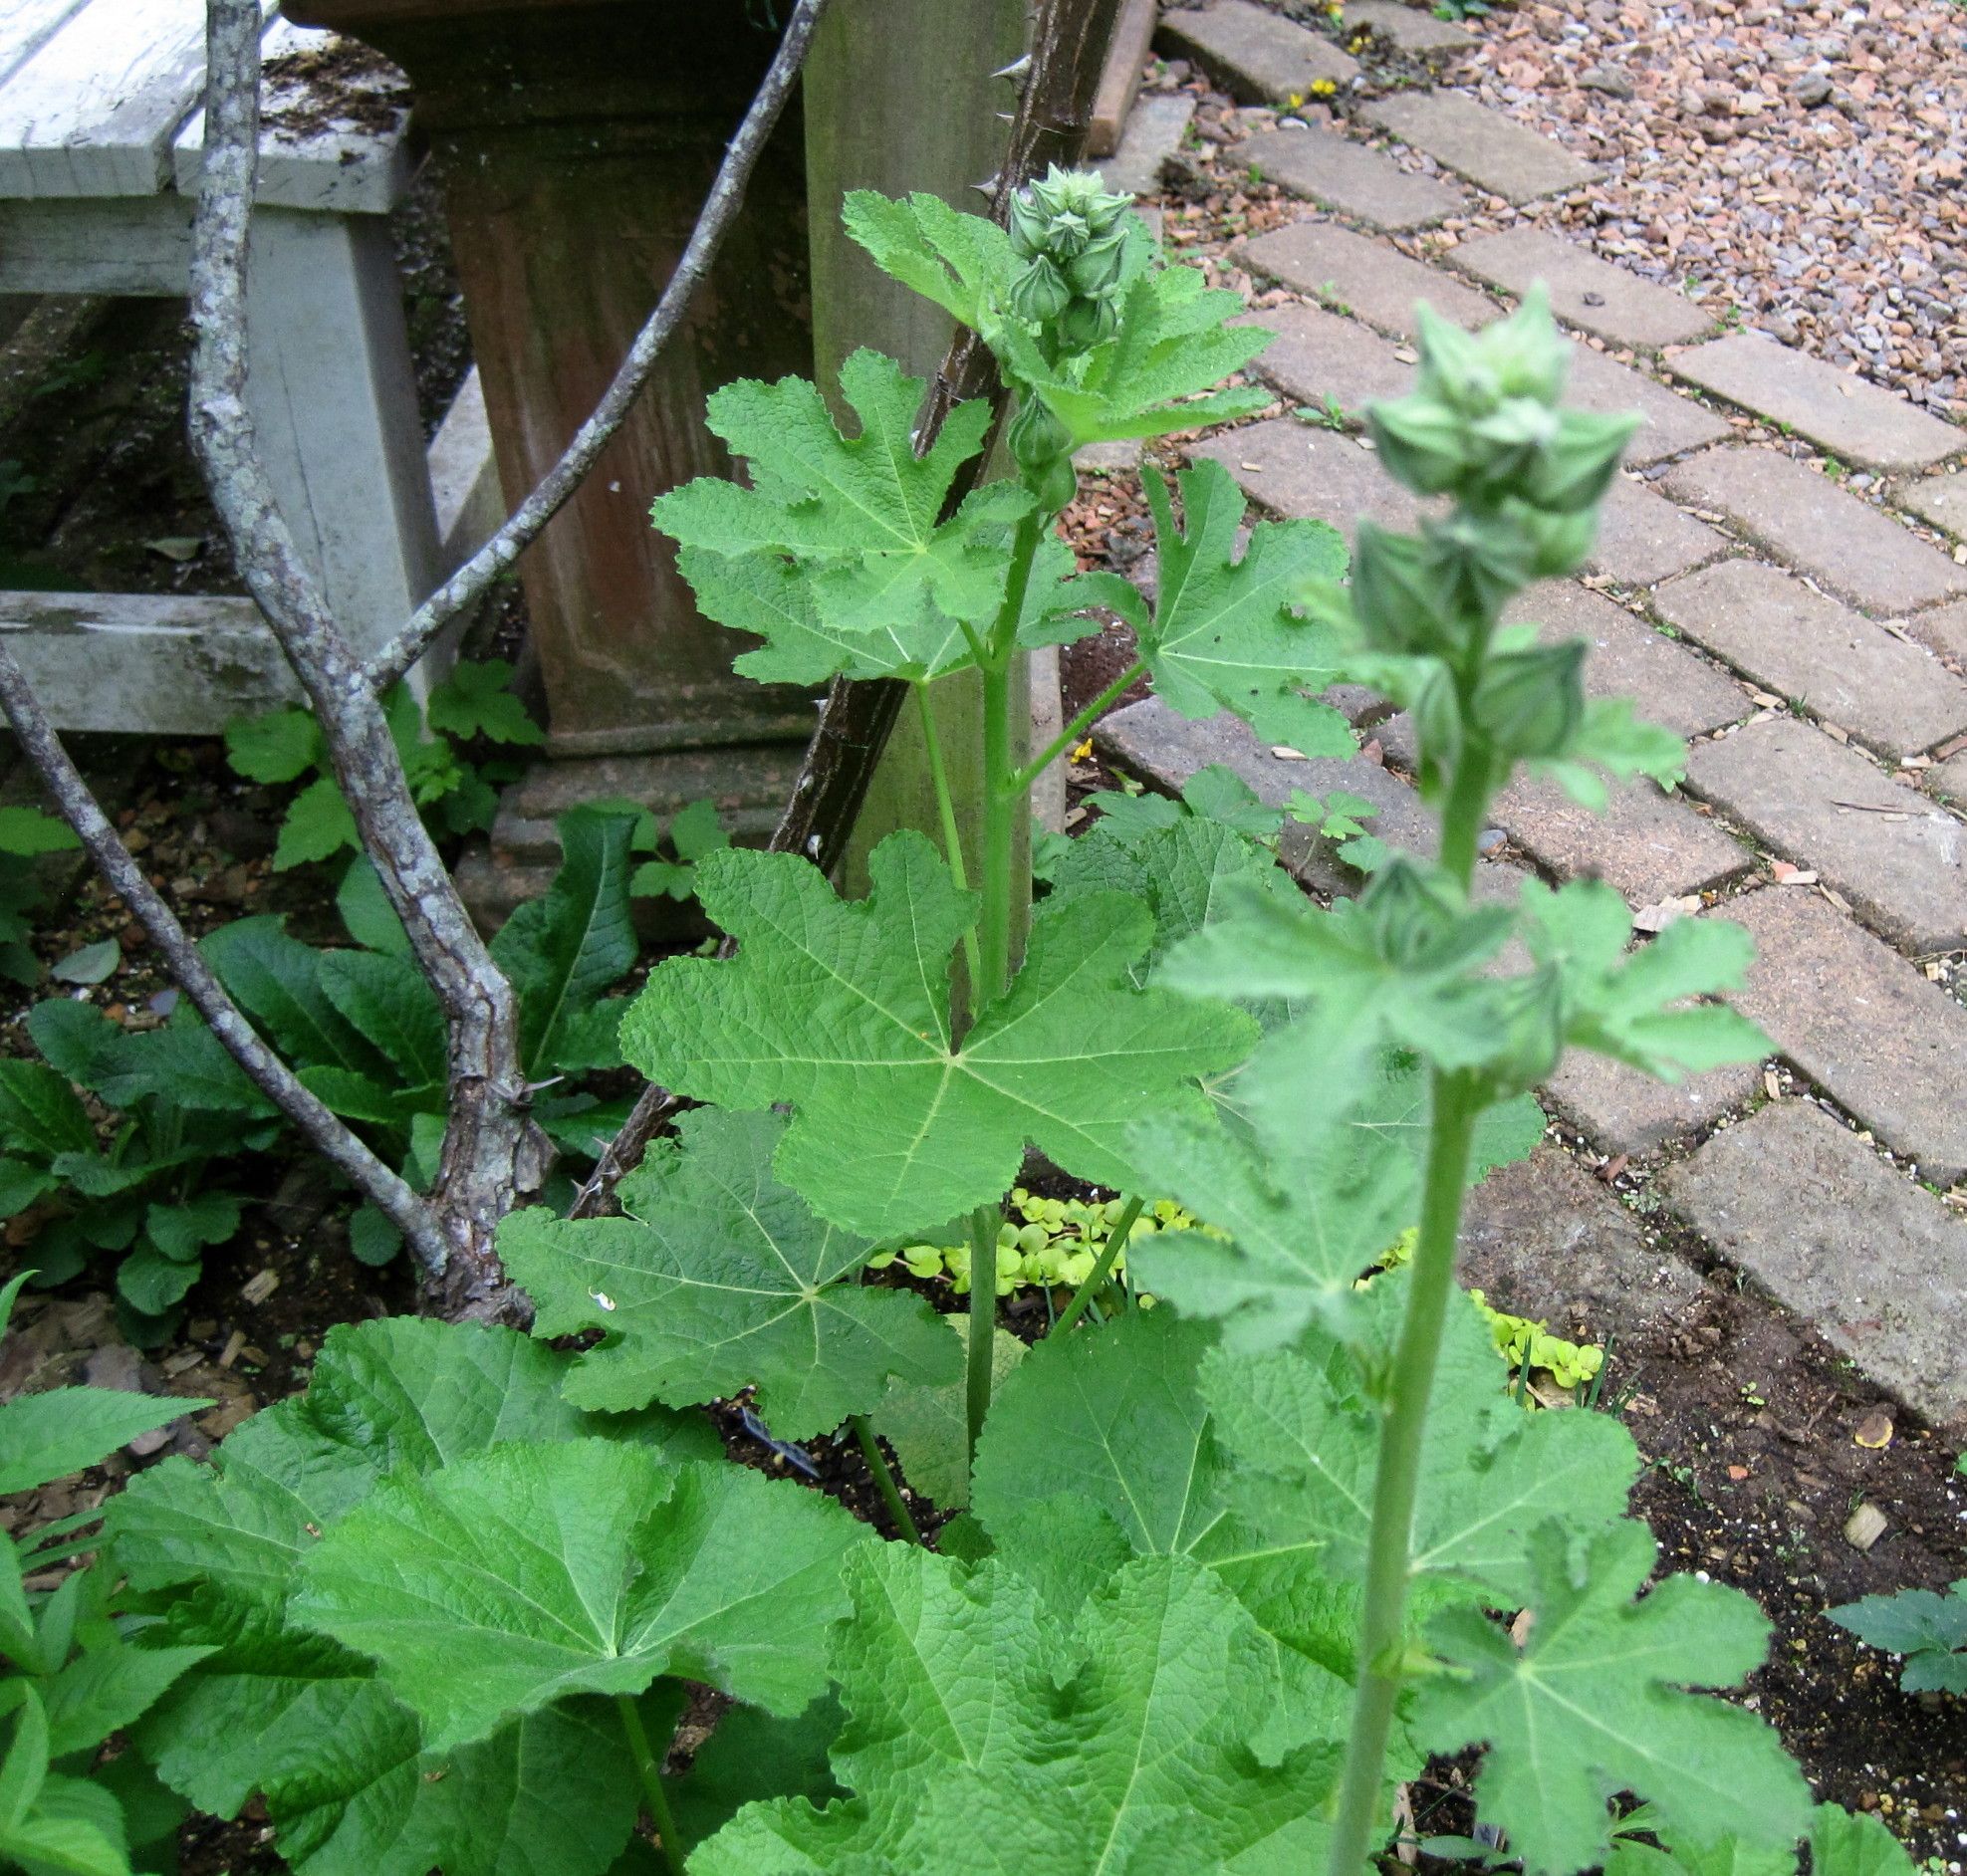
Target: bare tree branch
(390, 1196)
(491, 1149)
(474, 579)
(1055, 110)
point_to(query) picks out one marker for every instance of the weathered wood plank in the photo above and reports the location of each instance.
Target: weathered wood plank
(136, 246)
(334, 399)
(27, 25)
(130, 663)
(464, 478)
(1119, 80)
(319, 145)
(92, 110)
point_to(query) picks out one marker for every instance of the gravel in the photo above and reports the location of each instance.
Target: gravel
(1802, 162)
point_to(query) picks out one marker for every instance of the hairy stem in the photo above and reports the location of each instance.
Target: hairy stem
(1116, 1242)
(883, 1477)
(984, 1222)
(1076, 728)
(649, 1768)
(952, 838)
(1456, 1102)
(1464, 813)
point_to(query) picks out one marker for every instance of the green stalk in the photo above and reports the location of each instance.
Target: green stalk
(1116, 1242)
(651, 1769)
(877, 1467)
(1383, 1629)
(1076, 728)
(999, 833)
(1464, 812)
(983, 1318)
(1000, 797)
(952, 839)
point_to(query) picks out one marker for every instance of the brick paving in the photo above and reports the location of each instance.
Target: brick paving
(1898, 858)
(1585, 293)
(1318, 356)
(1805, 517)
(1941, 500)
(1256, 56)
(1494, 152)
(1805, 646)
(1363, 278)
(1844, 414)
(1325, 167)
(1645, 537)
(1736, 573)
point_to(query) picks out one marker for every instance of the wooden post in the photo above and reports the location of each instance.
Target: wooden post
(900, 97)
(576, 140)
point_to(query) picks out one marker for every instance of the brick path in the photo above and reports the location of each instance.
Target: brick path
(1808, 639)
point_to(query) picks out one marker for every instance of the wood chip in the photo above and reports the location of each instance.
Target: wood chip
(1772, 1084)
(233, 1344)
(1285, 753)
(1865, 1526)
(258, 1288)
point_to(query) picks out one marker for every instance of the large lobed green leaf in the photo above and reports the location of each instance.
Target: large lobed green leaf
(351, 1787)
(503, 1584)
(864, 512)
(717, 1277)
(1591, 1705)
(1299, 1429)
(1226, 630)
(842, 1011)
(1120, 1744)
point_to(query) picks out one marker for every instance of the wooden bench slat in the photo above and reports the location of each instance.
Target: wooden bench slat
(93, 111)
(342, 168)
(26, 26)
(145, 663)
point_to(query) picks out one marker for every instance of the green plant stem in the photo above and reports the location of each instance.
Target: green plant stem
(1383, 1629)
(952, 839)
(651, 1769)
(1116, 1242)
(883, 1477)
(999, 831)
(1076, 728)
(983, 1320)
(1000, 810)
(1463, 814)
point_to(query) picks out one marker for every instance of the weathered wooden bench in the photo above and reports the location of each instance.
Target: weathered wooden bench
(101, 147)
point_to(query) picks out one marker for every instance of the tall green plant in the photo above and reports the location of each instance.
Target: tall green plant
(1230, 1564)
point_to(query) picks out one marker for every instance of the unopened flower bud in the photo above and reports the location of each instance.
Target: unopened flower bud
(1036, 435)
(1397, 592)
(1578, 466)
(1530, 703)
(1041, 292)
(1419, 440)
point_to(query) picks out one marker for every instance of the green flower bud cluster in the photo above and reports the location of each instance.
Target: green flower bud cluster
(1484, 426)
(1057, 1245)
(1072, 236)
